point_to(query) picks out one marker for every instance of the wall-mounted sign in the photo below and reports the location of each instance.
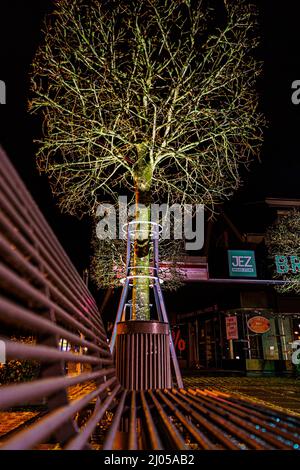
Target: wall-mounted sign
(259, 324)
(231, 327)
(241, 263)
(286, 264)
(191, 268)
(178, 341)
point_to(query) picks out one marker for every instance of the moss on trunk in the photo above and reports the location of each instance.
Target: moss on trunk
(141, 255)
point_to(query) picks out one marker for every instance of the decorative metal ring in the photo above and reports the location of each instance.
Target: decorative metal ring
(143, 267)
(136, 222)
(139, 276)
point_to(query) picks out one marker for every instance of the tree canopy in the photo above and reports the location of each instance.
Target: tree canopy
(155, 94)
(153, 98)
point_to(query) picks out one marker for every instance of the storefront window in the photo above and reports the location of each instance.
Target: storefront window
(270, 342)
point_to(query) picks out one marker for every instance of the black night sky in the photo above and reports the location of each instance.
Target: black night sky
(277, 175)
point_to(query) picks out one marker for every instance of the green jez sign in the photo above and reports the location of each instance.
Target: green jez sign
(241, 263)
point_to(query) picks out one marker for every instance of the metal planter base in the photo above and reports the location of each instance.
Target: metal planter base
(143, 355)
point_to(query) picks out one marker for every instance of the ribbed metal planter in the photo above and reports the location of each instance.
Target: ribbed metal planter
(143, 355)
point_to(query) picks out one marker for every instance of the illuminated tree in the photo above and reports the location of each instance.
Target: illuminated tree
(108, 264)
(156, 98)
(283, 238)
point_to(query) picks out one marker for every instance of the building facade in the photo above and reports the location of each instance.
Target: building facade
(238, 320)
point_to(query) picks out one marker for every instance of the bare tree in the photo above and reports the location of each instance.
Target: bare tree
(283, 239)
(155, 97)
(108, 263)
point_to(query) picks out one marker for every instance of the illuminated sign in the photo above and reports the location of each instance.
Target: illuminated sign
(286, 264)
(192, 268)
(259, 324)
(241, 263)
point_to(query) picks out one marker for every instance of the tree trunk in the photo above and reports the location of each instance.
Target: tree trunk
(141, 254)
(141, 260)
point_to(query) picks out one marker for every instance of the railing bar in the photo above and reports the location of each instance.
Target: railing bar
(242, 419)
(54, 259)
(168, 361)
(142, 363)
(257, 408)
(187, 404)
(15, 350)
(133, 423)
(20, 285)
(239, 424)
(109, 441)
(117, 358)
(150, 426)
(211, 429)
(47, 425)
(18, 239)
(44, 294)
(12, 313)
(48, 235)
(259, 414)
(132, 360)
(79, 441)
(159, 354)
(228, 426)
(150, 361)
(155, 361)
(34, 272)
(192, 429)
(47, 231)
(122, 351)
(172, 432)
(127, 340)
(146, 378)
(164, 368)
(137, 360)
(242, 425)
(12, 395)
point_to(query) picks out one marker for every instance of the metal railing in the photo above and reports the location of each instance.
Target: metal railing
(44, 297)
(178, 419)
